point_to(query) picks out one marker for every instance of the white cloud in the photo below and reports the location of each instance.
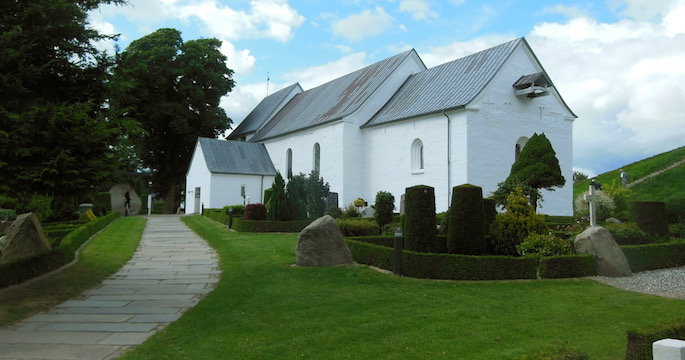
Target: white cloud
(675, 19)
(442, 54)
(316, 75)
(641, 9)
(365, 24)
(419, 9)
(240, 61)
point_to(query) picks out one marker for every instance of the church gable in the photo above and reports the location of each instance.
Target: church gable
(264, 111)
(236, 157)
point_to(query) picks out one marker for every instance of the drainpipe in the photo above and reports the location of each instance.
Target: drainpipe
(449, 159)
(261, 191)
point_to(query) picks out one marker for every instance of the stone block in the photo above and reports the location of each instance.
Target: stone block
(599, 242)
(321, 244)
(668, 349)
(25, 239)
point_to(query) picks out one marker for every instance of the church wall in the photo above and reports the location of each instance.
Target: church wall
(198, 176)
(226, 189)
(502, 118)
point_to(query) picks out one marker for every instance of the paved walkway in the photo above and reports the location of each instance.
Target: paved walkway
(170, 272)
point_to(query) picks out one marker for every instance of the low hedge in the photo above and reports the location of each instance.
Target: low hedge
(23, 270)
(655, 256)
(567, 266)
(269, 226)
(358, 227)
(217, 215)
(387, 241)
(639, 344)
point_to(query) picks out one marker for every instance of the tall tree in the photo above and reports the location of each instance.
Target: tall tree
(173, 90)
(536, 167)
(54, 135)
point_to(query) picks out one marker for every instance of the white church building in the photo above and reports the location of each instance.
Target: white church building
(396, 124)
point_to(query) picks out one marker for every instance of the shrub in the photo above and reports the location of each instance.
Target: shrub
(465, 235)
(237, 210)
(489, 214)
(358, 227)
(218, 215)
(650, 216)
(419, 222)
(296, 197)
(567, 266)
(359, 202)
(277, 207)
(513, 226)
(443, 220)
(639, 341)
(8, 215)
(627, 233)
(655, 256)
(41, 206)
(351, 212)
(255, 212)
(269, 226)
(316, 192)
(540, 245)
(102, 203)
(334, 212)
(385, 205)
(268, 193)
(158, 206)
(675, 210)
(604, 206)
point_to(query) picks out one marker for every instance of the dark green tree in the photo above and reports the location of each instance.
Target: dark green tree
(316, 192)
(465, 232)
(172, 88)
(277, 207)
(296, 197)
(536, 167)
(419, 219)
(385, 205)
(54, 136)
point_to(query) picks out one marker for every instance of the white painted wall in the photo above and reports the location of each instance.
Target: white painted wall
(225, 189)
(198, 176)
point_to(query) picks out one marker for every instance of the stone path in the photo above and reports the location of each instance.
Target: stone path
(170, 272)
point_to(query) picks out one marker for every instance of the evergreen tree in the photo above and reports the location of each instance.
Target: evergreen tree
(316, 191)
(277, 207)
(385, 205)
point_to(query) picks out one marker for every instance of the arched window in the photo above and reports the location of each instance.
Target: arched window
(289, 162)
(520, 143)
(316, 166)
(417, 163)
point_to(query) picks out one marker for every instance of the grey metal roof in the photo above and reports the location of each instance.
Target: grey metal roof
(260, 114)
(331, 101)
(447, 86)
(236, 157)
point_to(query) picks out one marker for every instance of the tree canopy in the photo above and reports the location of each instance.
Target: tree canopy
(173, 89)
(54, 136)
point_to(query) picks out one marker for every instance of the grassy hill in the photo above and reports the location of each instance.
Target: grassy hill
(668, 186)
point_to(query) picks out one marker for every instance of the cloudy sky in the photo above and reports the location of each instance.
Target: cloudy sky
(619, 64)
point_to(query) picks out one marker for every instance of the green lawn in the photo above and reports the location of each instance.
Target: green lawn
(101, 257)
(265, 308)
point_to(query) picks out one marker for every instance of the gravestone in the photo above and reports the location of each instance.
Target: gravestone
(321, 244)
(331, 200)
(668, 349)
(598, 241)
(25, 239)
(118, 193)
(367, 212)
(402, 204)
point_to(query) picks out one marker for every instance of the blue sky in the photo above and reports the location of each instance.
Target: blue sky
(619, 64)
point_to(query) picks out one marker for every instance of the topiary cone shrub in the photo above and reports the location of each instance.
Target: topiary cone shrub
(650, 216)
(385, 204)
(465, 233)
(419, 219)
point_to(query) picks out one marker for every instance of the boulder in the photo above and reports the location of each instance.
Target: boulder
(118, 193)
(322, 244)
(598, 241)
(25, 239)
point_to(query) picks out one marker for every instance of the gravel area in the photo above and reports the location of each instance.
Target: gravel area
(663, 282)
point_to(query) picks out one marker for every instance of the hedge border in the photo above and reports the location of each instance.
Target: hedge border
(269, 226)
(655, 256)
(63, 254)
(639, 341)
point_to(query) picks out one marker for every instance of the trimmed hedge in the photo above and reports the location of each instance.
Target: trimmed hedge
(255, 212)
(639, 346)
(23, 270)
(371, 254)
(218, 215)
(655, 256)
(419, 218)
(567, 266)
(650, 216)
(269, 226)
(357, 227)
(387, 241)
(466, 221)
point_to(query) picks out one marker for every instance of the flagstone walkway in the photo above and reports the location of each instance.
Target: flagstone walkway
(170, 272)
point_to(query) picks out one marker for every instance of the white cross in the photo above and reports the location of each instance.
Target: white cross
(592, 198)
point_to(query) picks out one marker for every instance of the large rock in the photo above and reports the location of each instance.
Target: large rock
(118, 193)
(25, 239)
(321, 244)
(598, 241)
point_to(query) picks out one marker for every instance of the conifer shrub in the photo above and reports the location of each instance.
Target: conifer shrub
(628, 233)
(513, 226)
(385, 205)
(255, 212)
(650, 216)
(419, 219)
(465, 233)
(489, 214)
(357, 227)
(277, 207)
(268, 193)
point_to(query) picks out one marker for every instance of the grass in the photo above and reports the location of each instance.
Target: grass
(101, 257)
(263, 308)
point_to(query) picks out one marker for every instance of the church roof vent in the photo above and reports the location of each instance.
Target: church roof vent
(533, 85)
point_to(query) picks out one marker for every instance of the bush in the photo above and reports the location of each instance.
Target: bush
(351, 212)
(334, 212)
(268, 193)
(357, 227)
(102, 203)
(567, 266)
(385, 205)
(627, 233)
(158, 206)
(269, 226)
(639, 341)
(650, 216)
(465, 234)
(675, 210)
(41, 206)
(655, 256)
(237, 210)
(218, 215)
(8, 215)
(489, 214)
(255, 212)
(540, 245)
(513, 226)
(419, 222)
(604, 206)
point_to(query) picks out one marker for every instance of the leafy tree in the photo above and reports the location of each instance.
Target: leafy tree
(536, 167)
(579, 176)
(54, 136)
(385, 205)
(172, 88)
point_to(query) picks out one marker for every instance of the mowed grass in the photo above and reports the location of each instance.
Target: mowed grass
(265, 308)
(101, 257)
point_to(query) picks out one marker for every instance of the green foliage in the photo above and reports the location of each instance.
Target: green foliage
(567, 266)
(640, 341)
(269, 226)
(357, 227)
(237, 210)
(7, 214)
(419, 222)
(579, 176)
(621, 198)
(513, 226)
(335, 212)
(655, 256)
(385, 205)
(277, 207)
(296, 198)
(219, 215)
(465, 233)
(268, 193)
(358, 202)
(255, 212)
(650, 216)
(539, 245)
(504, 189)
(604, 206)
(627, 233)
(172, 89)
(102, 203)
(489, 214)
(316, 192)
(351, 211)
(40, 205)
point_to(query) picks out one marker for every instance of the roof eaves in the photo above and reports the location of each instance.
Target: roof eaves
(440, 111)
